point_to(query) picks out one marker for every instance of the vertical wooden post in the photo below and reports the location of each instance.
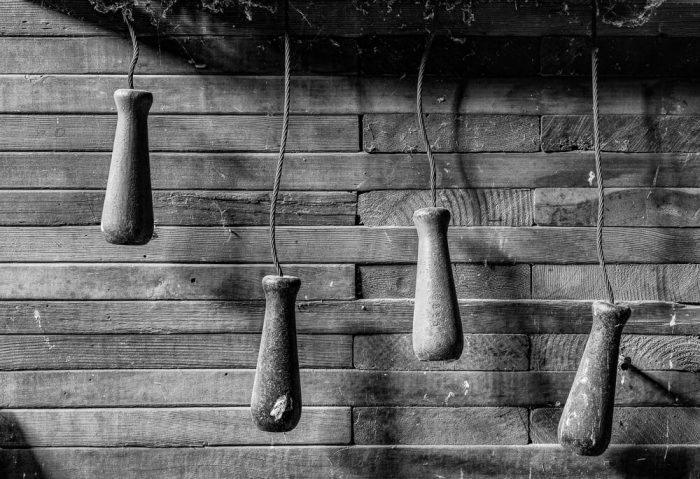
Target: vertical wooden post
(127, 214)
(437, 325)
(585, 426)
(276, 400)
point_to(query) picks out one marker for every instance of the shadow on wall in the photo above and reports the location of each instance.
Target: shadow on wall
(17, 460)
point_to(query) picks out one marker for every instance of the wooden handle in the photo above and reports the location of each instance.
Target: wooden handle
(585, 426)
(276, 401)
(437, 326)
(127, 214)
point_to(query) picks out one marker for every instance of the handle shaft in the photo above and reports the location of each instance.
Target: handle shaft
(585, 426)
(127, 214)
(276, 400)
(437, 325)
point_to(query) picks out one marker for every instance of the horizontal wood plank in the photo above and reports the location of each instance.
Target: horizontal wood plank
(182, 208)
(354, 244)
(156, 282)
(652, 282)
(622, 133)
(352, 462)
(357, 171)
(367, 316)
(558, 352)
(181, 133)
(172, 55)
(652, 425)
(500, 352)
(451, 133)
(476, 207)
(665, 56)
(160, 351)
(439, 425)
(41, 92)
(330, 387)
(675, 207)
(471, 281)
(172, 427)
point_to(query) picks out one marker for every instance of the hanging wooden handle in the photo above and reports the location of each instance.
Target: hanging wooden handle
(437, 326)
(276, 401)
(585, 426)
(127, 214)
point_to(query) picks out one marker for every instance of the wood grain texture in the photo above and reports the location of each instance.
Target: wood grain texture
(173, 427)
(180, 133)
(451, 133)
(354, 462)
(500, 352)
(439, 425)
(677, 207)
(356, 171)
(471, 281)
(653, 282)
(368, 316)
(482, 207)
(330, 387)
(345, 244)
(42, 92)
(556, 352)
(652, 425)
(160, 351)
(183, 55)
(622, 133)
(182, 208)
(155, 282)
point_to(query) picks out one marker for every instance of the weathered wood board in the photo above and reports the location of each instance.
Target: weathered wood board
(471, 281)
(656, 282)
(630, 425)
(451, 133)
(160, 351)
(622, 133)
(494, 352)
(563, 352)
(180, 133)
(331, 387)
(170, 281)
(164, 427)
(182, 208)
(440, 425)
(368, 316)
(476, 207)
(321, 462)
(678, 207)
(356, 171)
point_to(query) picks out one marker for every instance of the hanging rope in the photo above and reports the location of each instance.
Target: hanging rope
(596, 149)
(421, 122)
(283, 147)
(135, 49)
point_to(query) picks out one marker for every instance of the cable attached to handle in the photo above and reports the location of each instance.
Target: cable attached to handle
(421, 121)
(135, 49)
(596, 149)
(283, 147)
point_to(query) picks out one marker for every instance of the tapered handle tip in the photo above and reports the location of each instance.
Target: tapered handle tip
(617, 314)
(441, 215)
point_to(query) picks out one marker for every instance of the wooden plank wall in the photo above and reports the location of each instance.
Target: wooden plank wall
(137, 362)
